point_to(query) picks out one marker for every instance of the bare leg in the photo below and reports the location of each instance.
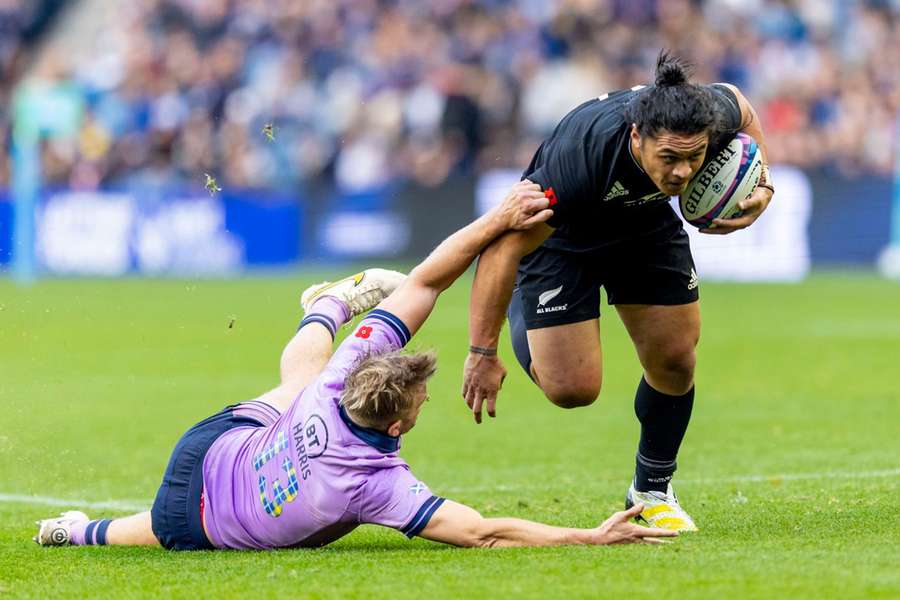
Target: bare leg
(131, 531)
(327, 306)
(665, 338)
(567, 362)
(302, 360)
(75, 528)
(306, 355)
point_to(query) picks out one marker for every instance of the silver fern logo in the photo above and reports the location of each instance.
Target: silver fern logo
(546, 297)
(549, 295)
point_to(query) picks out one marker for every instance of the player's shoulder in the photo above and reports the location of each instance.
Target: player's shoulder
(726, 96)
(725, 92)
(597, 126)
(379, 479)
(395, 479)
(601, 114)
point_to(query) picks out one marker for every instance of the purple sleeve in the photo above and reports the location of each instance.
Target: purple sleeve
(395, 498)
(379, 333)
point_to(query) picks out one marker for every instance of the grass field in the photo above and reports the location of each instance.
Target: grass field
(791, 465)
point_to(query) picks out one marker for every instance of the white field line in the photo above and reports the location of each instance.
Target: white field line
(797, 476)
(139, 505)
(75, 503)
(880, 474)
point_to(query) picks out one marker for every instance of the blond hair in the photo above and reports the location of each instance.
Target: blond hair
(378, 390)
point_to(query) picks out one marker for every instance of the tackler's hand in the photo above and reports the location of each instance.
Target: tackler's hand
(619, 530)
(524, 207)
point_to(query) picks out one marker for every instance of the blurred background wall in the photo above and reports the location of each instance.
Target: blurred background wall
(395, 122)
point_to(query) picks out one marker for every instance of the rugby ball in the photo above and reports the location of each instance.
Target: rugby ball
(730, 177)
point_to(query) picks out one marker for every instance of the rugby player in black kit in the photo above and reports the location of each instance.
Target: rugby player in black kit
(609, 169)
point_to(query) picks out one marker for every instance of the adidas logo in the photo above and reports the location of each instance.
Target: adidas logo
(695, 280)
(617, 190)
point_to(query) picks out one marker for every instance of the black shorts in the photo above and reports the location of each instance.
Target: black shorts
(175, 516)
(559, 287)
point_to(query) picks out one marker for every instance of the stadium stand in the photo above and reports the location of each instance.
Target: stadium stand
(364, 92)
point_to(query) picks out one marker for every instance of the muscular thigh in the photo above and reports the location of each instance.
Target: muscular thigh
(560, 300)
(653, 284)
(567, 359)
(282, 397)
(664, 338)
(656, 328)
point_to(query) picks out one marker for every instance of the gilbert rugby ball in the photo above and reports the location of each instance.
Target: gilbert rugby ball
(731, 176)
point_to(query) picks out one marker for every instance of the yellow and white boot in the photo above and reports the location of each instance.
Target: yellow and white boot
(360, 292)
(661, 509)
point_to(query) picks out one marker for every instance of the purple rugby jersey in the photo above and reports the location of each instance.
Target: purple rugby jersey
(313, 476)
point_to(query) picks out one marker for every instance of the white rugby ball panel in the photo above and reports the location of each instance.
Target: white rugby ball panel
(730, 177)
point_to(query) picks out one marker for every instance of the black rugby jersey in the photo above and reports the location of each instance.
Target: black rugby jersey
(599, 193)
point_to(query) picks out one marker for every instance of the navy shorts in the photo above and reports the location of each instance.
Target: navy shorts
(176, 517)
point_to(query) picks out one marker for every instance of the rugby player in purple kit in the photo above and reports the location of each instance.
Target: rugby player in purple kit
(311, 460)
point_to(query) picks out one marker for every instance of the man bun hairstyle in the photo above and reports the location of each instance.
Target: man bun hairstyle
(673, 103)
(671, 70)
(378, 390)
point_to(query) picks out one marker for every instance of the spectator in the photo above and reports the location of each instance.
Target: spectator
(366, 91)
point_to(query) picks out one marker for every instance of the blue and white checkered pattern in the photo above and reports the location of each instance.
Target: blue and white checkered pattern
(274, 506)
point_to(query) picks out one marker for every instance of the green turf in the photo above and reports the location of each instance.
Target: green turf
(796, 384)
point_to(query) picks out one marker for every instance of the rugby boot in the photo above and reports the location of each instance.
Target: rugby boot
(661, 509)
(360, 292)
(58, 531)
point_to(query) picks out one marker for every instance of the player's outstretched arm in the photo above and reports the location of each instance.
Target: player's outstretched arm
(523, 208)
(459, 525)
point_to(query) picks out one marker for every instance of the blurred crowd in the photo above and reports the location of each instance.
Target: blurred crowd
(19, 23)
(360, 93)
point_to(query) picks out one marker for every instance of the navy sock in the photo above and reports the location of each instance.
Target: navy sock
(95, 532)
(664, 420)
(329, 312)
(519, 332)
(322, 320)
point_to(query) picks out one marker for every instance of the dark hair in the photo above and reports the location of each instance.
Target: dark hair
(672, 103)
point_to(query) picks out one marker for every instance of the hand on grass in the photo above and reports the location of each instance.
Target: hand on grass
(618, 530)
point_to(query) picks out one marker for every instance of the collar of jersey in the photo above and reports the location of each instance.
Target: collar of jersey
(633, 159)
(377, 439)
